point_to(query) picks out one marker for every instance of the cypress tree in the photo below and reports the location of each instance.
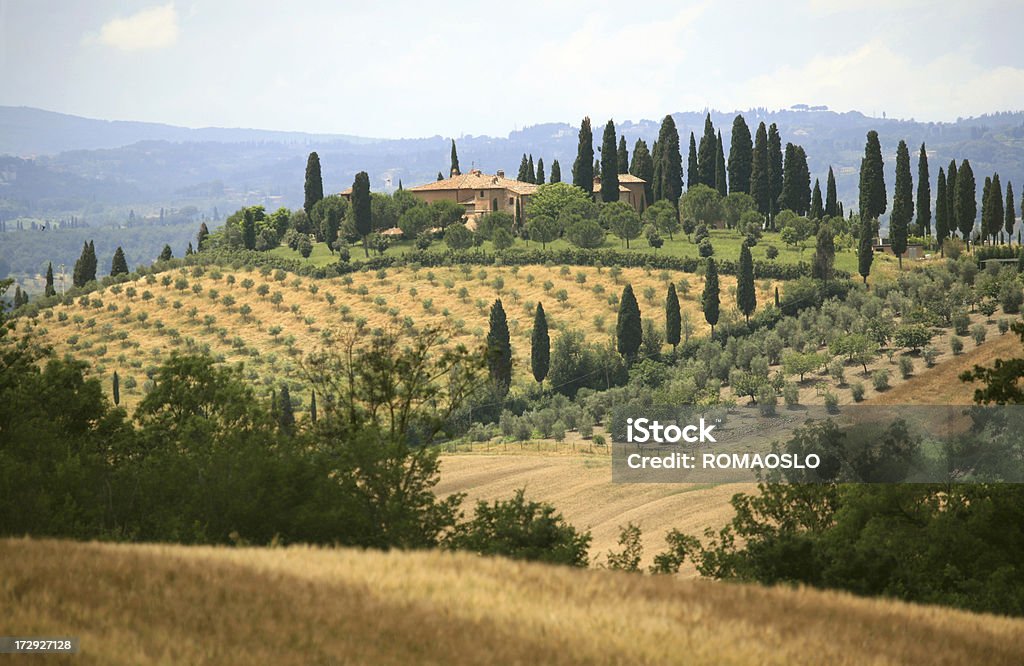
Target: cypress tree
(951, 218)
(1009, 215)
(746, 295)
(17, 296)
(966, 200)
(78, 277)
(628, 327)
(118, 265)
(789, 198)
(90, 264)
(902, 203)
(692, 168)
(817, 207)
(720, 179)
(204, 233)
(658, 184)
(671, 161)
(986, 223)
(873, 201)
(941, 211)
(706, 151)
(642, 166)
(609, 165)
(996, 210)
(760, 173)
(824, 255)
(924, 194)
(361, 212)
(286, 414)
(189, 250)
(582, 168)
(312, 397)
(166, 254)
(556, 172)
(531, 172)
(499, 349)
(50, 291)
(623, 156)
(540, 345)
(831, 200)
(540, 171)
(673, 319)
(249, 229)
(741, 156)
(710, 299)
(803, 181)
(455, 171)
(440, 176)
(524, 170)
(774, 169)
(314, 188)
(116, 384)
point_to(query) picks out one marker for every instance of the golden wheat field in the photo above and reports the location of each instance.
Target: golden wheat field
(269, 320)
(158, 604)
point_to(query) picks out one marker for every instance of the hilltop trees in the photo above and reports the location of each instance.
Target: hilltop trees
(643, 167)
(540, 171)
(314, 187)
(746, 295)
(902, 203)
(583, 167)
(710, 299)
(741, 156)
(85, 267)
(924, 195)
(609, 165)
(118, 265)
(540, 345)
(966, 203)
(361, 211)
(499, 350)
(628, 326)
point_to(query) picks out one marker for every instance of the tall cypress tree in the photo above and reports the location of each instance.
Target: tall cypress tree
(673, 319)
(583, 168)
(116, 386)
(941, 212)
(454, 170)
(671, 161)
(531, 172)
(774, 169)
(831, 200)
(628, 327)
(540, 345)
(985, 221)
(90, 264)
(118, 265)
(741, 156)
(746, 295)
(824, 255)
(902, 203)
(760, 173)
(924, 194)
(50, 291)
(540, 171)
(710, 299)
(1009, 215)
(623, 155)
(692, 168)
(78, 277)
(642, 166)
(995, 208)
(873, 201)
(609, 165)
(361, 212)
(499, 349)
(285, 412)
(524, 170)
(817, 207)
(966, 200)
(954, 225)
(720, 178)
(788, 200)
(166, 254)
(314, 188)
(556, 172)
(657, 184)
(706, 151)
(248, 230)
(204, 233)
(803, 181)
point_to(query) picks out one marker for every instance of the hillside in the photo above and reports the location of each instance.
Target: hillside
(170, 604)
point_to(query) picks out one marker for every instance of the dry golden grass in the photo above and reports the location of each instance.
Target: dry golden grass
(152, 604)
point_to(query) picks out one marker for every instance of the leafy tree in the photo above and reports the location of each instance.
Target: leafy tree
(118, 265)
(446, 212)
(924, 194)
(621, 219)
(800, 364)
(707, 154)
(556, 172)
(540, 345)
(543, 229)
(817, 210)
(760, 173)
(831, 200)
(662, 216)
(165, 254)
(824, 255)
(49, 290)
(458, 237)
(692, 165)
(746, 294)
(304, 246)
(314, 187)
(966, 202)
(710, 299)
(912, 336)
(673, 319)
(671, 177)
(642, 166)
(703, 205)
(774, 168)
(609, 165)
(499, 349)
(623, 156)
(362, 213)
(583, 232)
(553, 199)
(454, 170)
(902, 203)
(628, 326)
(741, 157)
(582, 168)
(942, 226)
(492, 222)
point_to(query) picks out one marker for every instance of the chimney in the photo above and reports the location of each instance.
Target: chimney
(501, 173)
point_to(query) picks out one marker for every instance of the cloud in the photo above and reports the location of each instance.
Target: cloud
(153, 28)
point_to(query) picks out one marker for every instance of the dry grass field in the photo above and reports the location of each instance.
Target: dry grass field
(154, 604)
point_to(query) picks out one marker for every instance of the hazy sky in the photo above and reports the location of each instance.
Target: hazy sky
(403, 69)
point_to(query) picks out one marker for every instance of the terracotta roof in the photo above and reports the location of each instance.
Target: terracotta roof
(476, 180)
(623, 178)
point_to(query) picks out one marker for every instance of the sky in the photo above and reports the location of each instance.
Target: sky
(413, 69)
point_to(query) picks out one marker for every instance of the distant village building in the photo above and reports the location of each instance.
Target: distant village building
(631, 190)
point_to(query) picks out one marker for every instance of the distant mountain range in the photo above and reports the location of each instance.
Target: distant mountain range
(55, 165)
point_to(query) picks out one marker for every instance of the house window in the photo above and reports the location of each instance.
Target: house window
(481, 194)
(511, 201)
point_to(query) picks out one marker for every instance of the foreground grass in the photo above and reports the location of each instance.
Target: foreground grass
(171, 604)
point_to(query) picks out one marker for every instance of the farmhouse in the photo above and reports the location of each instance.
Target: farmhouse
(479, 192)
(631, 190)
